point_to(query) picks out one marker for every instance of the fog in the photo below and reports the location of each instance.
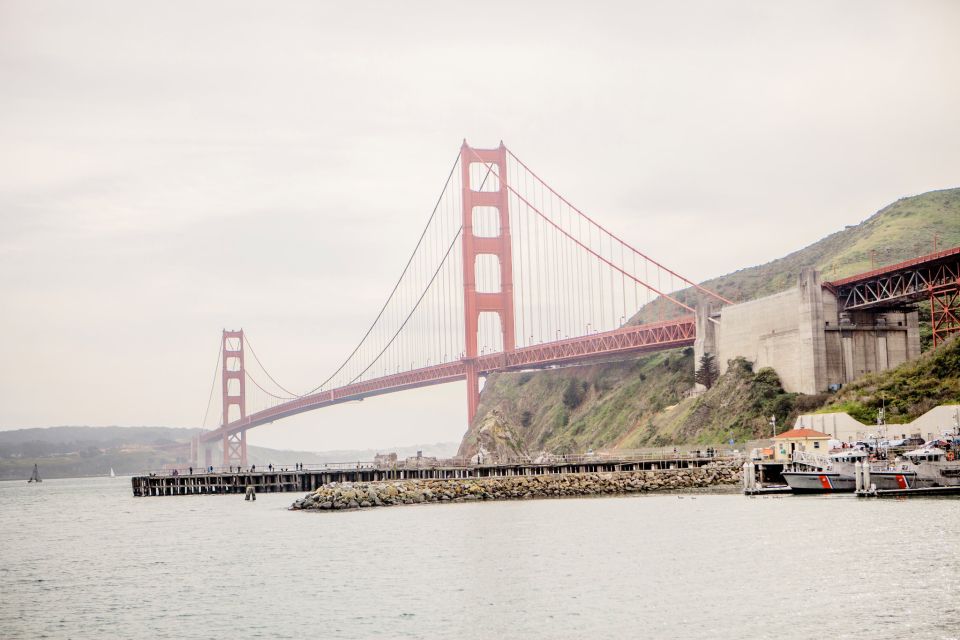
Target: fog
(172, 169)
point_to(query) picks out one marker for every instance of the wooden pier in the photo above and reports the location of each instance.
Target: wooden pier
(169, 483)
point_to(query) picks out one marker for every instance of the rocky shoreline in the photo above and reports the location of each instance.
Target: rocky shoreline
(362, 495)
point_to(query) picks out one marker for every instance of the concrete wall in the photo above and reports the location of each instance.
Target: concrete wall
(764, 331)
(938, 420)
(838, 425)
(841, 426)
(801, 334)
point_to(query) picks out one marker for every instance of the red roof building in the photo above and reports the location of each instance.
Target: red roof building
(796, 434)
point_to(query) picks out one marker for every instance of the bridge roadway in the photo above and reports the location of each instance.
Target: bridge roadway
(308, 479)
(625, 340)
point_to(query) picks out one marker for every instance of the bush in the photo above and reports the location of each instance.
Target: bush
(574, 393)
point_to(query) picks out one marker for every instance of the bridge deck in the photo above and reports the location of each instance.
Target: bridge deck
(626, 340)
(310, 479)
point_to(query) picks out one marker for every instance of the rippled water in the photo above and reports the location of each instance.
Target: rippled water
(84, 559)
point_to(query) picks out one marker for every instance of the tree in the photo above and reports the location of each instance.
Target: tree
(573, 394)
(707, 373)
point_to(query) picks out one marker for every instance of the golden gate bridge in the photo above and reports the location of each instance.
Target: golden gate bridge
(507, 274)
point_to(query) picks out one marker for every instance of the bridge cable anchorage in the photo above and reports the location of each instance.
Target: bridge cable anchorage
(396, 286)
(595, 253)
(628, 245)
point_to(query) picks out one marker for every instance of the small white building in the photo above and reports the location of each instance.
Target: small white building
(799, 439)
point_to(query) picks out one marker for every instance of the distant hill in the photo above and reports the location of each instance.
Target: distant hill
(64, 452)
(641, 402)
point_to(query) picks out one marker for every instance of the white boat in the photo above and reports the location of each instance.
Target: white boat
(112, 474)
(819, 482)
(35, 476)
(835, 473)
(933, 466)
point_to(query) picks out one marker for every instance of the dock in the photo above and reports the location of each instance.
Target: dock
(182, 483)
(914, 492)
(767, 490)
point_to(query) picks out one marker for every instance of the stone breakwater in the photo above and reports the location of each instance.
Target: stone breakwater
(361, 495)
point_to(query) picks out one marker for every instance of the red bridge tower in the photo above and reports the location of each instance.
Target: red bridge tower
(488, 190)
(234, 444)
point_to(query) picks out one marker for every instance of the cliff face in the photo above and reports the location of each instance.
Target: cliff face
(642, 402)
(577, 408)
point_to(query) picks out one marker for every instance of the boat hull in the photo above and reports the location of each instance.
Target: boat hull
(893, 479)
(819, 482)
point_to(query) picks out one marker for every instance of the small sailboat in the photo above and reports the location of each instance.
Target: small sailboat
(112, 474)
(35, 476)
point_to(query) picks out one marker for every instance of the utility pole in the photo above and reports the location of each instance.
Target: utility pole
(773, 425)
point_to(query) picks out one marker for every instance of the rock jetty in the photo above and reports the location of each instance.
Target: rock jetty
(361, 495)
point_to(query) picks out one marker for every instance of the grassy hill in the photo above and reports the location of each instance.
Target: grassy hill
(897, 232)
(641, 402)
(908, 391)
(577, 408)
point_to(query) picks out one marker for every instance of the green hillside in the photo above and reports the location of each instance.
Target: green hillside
(577, 408)
(897, 232)
(641, 402)
(906, 392)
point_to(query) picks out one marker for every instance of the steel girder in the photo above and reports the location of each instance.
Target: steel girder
(908, 281)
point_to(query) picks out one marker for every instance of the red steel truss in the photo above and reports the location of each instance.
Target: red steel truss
(934, 277)
(622, 341)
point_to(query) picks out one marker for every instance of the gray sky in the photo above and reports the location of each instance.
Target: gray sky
(170, 169)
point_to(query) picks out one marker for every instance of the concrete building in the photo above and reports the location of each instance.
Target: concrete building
(801, 335)
(841, 426)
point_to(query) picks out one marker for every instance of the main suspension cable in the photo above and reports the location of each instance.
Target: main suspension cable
(213, 385)
(396, 286)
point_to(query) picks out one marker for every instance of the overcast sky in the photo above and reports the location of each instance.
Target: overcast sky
(169, 169)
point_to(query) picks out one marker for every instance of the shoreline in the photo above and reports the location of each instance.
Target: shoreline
(366, 495)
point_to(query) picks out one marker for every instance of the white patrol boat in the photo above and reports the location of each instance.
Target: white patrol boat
(835, 473)
(932, 466)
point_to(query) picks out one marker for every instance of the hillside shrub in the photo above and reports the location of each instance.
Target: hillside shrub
(574, 393)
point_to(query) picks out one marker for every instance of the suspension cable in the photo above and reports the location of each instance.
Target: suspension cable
(396, 286)
(597, 255)
(246, 339)
(213, 385)
(417, 304)
(599, 226)
(273, 395)
(453, 243)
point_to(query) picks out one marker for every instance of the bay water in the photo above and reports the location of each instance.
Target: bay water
(82, 558)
